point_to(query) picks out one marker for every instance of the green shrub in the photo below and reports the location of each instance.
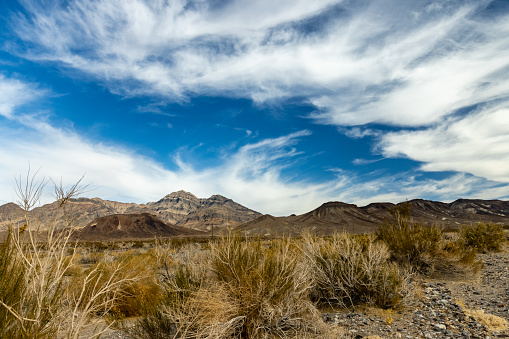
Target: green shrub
(482, 237)
(348, 270)
(410, 243)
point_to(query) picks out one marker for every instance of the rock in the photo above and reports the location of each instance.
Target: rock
(440, 327)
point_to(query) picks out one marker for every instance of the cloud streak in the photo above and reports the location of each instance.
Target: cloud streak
(15, 93)
(375, 62)
(477, 143)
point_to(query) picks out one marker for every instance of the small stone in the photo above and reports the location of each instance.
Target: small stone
(440, 327)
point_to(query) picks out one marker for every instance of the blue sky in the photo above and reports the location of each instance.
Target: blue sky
(279, 105)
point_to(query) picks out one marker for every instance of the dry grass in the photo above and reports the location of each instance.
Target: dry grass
(43, 262)
(349, 270)
(235, 288)
(493, 322)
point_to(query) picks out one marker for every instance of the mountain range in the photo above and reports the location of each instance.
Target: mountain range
(336, 216)
(178, 208)
(184, 210)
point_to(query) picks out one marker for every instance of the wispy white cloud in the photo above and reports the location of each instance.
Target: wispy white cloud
(477, 143)
(379, 61)
(15, 93)
(171, 48)
(359, 161)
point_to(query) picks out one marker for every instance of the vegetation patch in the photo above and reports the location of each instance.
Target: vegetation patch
(482, 237)
(348, 270)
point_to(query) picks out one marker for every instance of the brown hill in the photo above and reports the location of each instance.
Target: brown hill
(180, 208)
(130, 226)
(337, 216)
(10, 211)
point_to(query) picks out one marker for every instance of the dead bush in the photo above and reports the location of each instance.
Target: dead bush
(42, 262)
(493, 322)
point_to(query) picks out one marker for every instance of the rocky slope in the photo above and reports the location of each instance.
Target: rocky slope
(179, 208)
(337, 216)
(442, 308)
(185, 209)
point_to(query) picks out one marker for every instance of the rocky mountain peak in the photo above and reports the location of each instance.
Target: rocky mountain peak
(181, 207)
(180, 195)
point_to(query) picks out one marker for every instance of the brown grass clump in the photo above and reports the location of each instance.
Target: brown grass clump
(493, 322)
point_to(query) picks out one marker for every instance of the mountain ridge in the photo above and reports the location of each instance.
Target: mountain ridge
(179, 208)
(184, 209)
(337, 216)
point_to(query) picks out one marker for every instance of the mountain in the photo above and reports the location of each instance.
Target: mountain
(130, 226)
(179, 208)
(186, 210)
(336, 216)
(10, 211)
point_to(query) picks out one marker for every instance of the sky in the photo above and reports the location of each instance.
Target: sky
(278, 105)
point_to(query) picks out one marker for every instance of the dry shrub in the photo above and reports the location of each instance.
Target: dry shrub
(263, 282)
(12, 287)
(493, 322)
(241, 289)
(424, 249)
(348, 270)
(183, 275)
(89, 257)
(118, 288)
(41, 261)
(411, 244)
(482, 237)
